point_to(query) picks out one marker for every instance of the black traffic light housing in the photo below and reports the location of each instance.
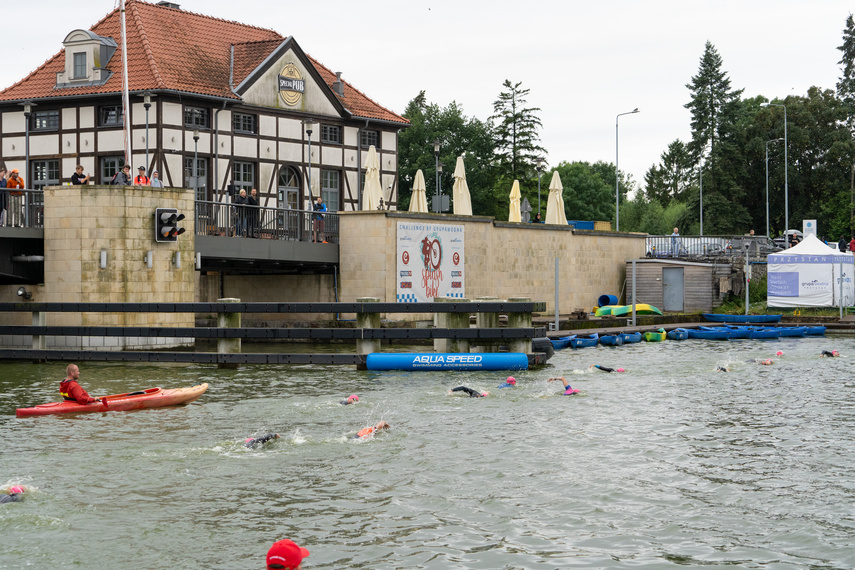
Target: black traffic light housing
(166, 224)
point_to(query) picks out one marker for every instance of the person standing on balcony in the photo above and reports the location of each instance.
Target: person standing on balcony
(241, 202)
(252, 203)
(4, 197)
(675, 242)
(141, 179)
(318, 220)
(78, 177)
(123, 177)
(156, 182)
(14, 210)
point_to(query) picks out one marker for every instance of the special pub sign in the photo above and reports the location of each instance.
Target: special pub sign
(291, 84)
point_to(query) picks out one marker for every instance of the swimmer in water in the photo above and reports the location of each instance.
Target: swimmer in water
(606, 368)
(568, 389)
(831, 354)
(721, 369)
(779, 353)
(472, 393)
(252, 442)
(371, 430)
(511, 382)
(15, 495)
(352, 399)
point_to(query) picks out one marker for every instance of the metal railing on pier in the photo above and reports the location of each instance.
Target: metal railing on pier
(711, 248)
(237, 220)
(24, 208)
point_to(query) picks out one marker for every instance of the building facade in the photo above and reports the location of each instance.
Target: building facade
(214, 105)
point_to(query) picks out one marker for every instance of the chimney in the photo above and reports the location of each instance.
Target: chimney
(338, 86)
(169, 4)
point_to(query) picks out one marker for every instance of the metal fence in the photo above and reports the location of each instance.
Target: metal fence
(710, 247)
(22, 208)
(234, 220)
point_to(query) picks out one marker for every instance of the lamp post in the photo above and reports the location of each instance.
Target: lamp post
(439, 166)
(617, 175)
(195, 163)
(701, 175)
(147, 105)
(786, 184)
(767, 184)
(539, 167)
(28, 110)
(437, 202)
(309, 123)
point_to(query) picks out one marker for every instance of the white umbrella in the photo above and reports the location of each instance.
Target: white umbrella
(555, 206)
(460, 192)
(514, 215)
(373, 191)
(418, 201)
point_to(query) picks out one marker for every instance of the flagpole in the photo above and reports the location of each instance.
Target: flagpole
(126, 107)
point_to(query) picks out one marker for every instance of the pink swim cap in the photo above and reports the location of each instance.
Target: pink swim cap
(16, 489)
(621, 370)
(779, 353)
(353, 397)
(247, 440)
(511, 380)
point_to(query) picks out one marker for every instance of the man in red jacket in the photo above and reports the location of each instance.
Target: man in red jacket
(71, 390)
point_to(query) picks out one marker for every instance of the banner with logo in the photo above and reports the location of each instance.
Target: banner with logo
(430, 262)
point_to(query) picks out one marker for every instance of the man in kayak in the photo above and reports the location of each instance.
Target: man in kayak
(568, 389)
(69, 389)
(252, 442)
(511, 382)
(472, 393)
(14, 496)
(352, 399)
(606, 368)
(370, 431)
(286, 555)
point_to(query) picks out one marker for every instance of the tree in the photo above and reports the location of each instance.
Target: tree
(846, 93)
(673, 176)
(586, 195)
(517, 141)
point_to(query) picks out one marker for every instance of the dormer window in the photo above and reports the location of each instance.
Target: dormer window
(86, 57)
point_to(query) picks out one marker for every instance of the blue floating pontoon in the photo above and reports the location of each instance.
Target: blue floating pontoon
(447, 361)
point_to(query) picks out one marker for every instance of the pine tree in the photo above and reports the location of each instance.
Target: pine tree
(516, 133)
(846, 93)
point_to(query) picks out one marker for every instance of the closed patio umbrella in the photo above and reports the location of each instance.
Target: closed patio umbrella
(373, 191)
(460, 192)
(514, 215)
(418, 201)
(555, 206)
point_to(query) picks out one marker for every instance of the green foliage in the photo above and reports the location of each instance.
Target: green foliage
(643, 215)
(516, 135)
(586, 195)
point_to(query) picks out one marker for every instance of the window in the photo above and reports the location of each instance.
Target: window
(289, 188)
(368, 138)
(243, 123)
(112, 116)
(330, 184)
(110, 165)
(331, 134)
(244, 176)
(196, 117)
(45, 173)
(79, 66)
(201, 176)
(45, 120)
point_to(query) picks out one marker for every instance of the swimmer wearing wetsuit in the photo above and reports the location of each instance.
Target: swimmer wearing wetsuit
(721, 369)
(472, 393)
(606, 368)
(831, 354)
(352, 399)
(252, 442)
(511, 382)
(370, 430)
(568, 389)
(15, 495)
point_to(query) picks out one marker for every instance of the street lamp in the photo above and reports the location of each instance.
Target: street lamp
(539, 167)
(309, 123)
(195, 163)
(437, 203)
(786, 184)
(147, 105)
(28, 109)
(617, 176)
(439, 166)
(767, 184)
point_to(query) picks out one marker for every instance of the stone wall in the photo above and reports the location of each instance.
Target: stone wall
(502, 259)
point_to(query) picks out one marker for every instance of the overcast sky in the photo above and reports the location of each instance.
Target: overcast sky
(584, 62)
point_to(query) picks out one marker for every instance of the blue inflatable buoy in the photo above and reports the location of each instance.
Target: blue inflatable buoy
(447, 361)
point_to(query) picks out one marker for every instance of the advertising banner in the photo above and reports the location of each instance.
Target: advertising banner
(430, 262)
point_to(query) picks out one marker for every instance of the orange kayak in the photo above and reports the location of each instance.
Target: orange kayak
(143, 399)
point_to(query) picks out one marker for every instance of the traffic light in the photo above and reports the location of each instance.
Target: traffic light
(166, 224)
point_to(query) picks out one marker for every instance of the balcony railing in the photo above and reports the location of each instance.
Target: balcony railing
(711, 247)
(234, 220)
(24, 208)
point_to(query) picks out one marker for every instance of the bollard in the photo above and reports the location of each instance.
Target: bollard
(367, 321)
(228, 345)
(39, 341)
(519, 321)
(450, 321)
(487, 321)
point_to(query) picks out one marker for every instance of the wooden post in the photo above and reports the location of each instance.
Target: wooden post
(450, 321)
(487, 321)
(39, 341)
(367, 320)
(519, 321)
(228, 345)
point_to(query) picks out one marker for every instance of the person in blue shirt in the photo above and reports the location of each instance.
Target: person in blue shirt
(318, 220)
(511, 382)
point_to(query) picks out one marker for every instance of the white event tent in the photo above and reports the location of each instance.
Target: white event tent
(809, 275)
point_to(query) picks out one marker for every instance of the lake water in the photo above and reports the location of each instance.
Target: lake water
(670, 464)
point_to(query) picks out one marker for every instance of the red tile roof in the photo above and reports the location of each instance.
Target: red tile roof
(177, 50)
